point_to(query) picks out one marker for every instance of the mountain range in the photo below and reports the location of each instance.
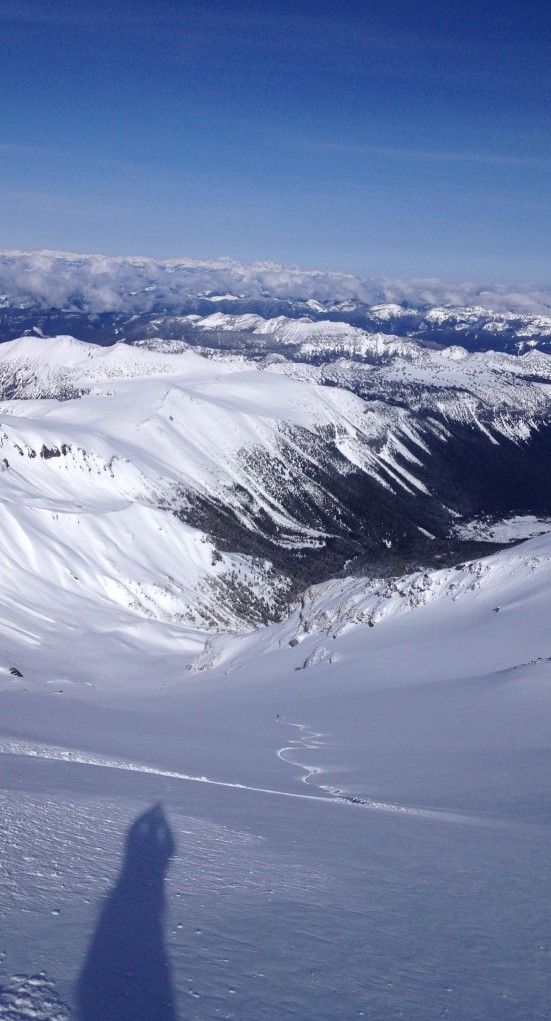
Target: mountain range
(274, 624)
(270, 453)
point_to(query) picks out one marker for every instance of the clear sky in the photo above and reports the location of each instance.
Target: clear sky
(380, 137)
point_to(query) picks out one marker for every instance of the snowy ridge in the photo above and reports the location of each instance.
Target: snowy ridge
(334, 607)
(467, 318)
(328, 339)
(309, 337)
(216, 409)
(509, 591)
(500, 390)
(90, 483)
(119, 465)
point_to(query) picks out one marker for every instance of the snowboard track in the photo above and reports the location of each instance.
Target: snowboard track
(311, 739)
(308, 739)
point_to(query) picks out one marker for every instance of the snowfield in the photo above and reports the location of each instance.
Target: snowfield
(366, 836)
(342, 814)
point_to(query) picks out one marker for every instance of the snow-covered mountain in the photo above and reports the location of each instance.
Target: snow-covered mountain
(103, 299)
(475, 329)
(211, 489)
(501, 602)
(264, 569)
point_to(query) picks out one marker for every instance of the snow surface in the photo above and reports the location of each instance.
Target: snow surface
(520, 526)
(90, 482)
(345, 814)
(367, 837)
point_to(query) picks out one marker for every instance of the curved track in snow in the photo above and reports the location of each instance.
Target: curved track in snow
(308, 739)
(331, 795)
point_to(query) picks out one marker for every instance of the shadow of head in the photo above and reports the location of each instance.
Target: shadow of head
(149, 847)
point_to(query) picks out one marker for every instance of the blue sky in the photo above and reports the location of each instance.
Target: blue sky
(380, 138)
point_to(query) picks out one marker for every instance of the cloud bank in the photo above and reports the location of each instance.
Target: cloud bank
(97, 283)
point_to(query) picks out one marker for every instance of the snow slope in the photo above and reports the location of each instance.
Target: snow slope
(103, 452)
(343, 814)
(189, 490)
(97, 471)
(365, 837)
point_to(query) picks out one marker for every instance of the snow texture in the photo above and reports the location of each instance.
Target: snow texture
(367, 837)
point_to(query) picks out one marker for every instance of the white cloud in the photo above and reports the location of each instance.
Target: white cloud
(98, 283)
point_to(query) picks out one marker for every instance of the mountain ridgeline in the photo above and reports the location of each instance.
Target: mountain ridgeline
(278, 443)
(475, 329)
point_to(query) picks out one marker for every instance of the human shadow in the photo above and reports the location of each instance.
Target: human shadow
(126, 974)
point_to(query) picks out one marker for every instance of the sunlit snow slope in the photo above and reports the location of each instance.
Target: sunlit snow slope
(208, 491)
